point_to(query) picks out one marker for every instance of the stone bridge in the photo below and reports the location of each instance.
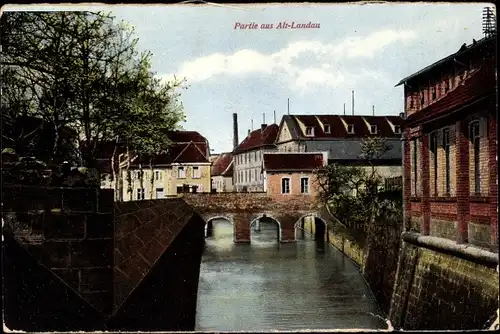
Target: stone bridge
(245, 209)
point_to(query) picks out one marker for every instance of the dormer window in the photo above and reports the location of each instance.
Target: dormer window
(327, 128)
(373, 129)
(350, 129)
(446, 86)
(309, 131)
(397, 129)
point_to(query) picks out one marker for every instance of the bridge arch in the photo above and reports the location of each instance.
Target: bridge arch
(209, 224)
(268, 216)
(320, 229)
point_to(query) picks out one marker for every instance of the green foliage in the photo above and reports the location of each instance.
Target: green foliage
(81, 70)
(355, 196)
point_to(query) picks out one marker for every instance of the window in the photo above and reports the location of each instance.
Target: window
(415, 167)
(304, 185)
(250, 157)
(475, 139)
(196, 172)
(397, 129)
(434, 94)
(157, 175)
(140, 193)
(309, 131)
(422, 98)
(139, 174)
(434, 150)
(446, 147)
(373, 129)
(285, 185)
(350, 129)
(181, 173)
(327, 128)
(411, 101)
(446, 86)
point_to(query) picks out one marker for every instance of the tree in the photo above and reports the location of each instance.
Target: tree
(81, 70)
(351, 193)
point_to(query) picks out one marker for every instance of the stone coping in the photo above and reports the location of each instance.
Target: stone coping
(450, 247)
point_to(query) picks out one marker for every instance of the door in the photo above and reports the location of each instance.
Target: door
(160, 193)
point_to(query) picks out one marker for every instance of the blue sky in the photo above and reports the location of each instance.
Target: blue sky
(365, 48)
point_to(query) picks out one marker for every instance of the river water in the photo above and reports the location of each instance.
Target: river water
(266, 286)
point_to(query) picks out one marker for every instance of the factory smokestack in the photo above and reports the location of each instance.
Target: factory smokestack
(235, 130)
(353, 102)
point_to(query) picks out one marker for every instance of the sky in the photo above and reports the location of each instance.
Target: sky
(367, 49)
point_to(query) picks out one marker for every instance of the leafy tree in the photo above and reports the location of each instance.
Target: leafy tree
(351, 193)
(81, 70)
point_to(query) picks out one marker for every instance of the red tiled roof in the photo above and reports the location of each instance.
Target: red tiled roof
(185, 136)
(337, 128)
(221, 164)
(229, 171)
(292, 161)
(479, 84)
(259, 138)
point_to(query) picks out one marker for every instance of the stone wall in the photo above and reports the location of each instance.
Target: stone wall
(70, 232)
(165, 298)
(143, 232)
(77, 262)
(442, 285)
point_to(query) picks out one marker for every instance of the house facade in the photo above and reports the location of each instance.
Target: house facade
(184, 168)
(247, 156)
(341, 136)
(450, 147)
(222, 173)
(292, 173)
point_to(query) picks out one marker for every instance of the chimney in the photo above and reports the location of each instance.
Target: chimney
(235, 130)
(353, 102)
(402, 115)
(274, 116)
(248, 132)
(373, 110)
(262, 127)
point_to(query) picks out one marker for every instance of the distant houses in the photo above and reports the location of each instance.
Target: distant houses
(184, 168)
(222, 173)
(247, 175)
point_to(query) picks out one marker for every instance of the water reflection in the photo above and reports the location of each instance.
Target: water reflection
(266, 285)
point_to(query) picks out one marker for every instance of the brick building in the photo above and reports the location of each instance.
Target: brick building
(291, 173)
(450, 147)
(247, 175)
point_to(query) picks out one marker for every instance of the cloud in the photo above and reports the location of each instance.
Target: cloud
(328, 56)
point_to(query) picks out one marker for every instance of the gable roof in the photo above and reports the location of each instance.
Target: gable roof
(477, 85)
(338, 124)
(185, 136)
(258, 138)
(292, 161)
(222, 164)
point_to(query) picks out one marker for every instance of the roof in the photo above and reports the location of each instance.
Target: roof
(185, 136)
(477, 85)
(221, 165)
(338, 128)
(293, 161)
(463, 50)
(182, 150)
(258, 138)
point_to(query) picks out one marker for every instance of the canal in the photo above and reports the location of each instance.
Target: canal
(266, 286)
